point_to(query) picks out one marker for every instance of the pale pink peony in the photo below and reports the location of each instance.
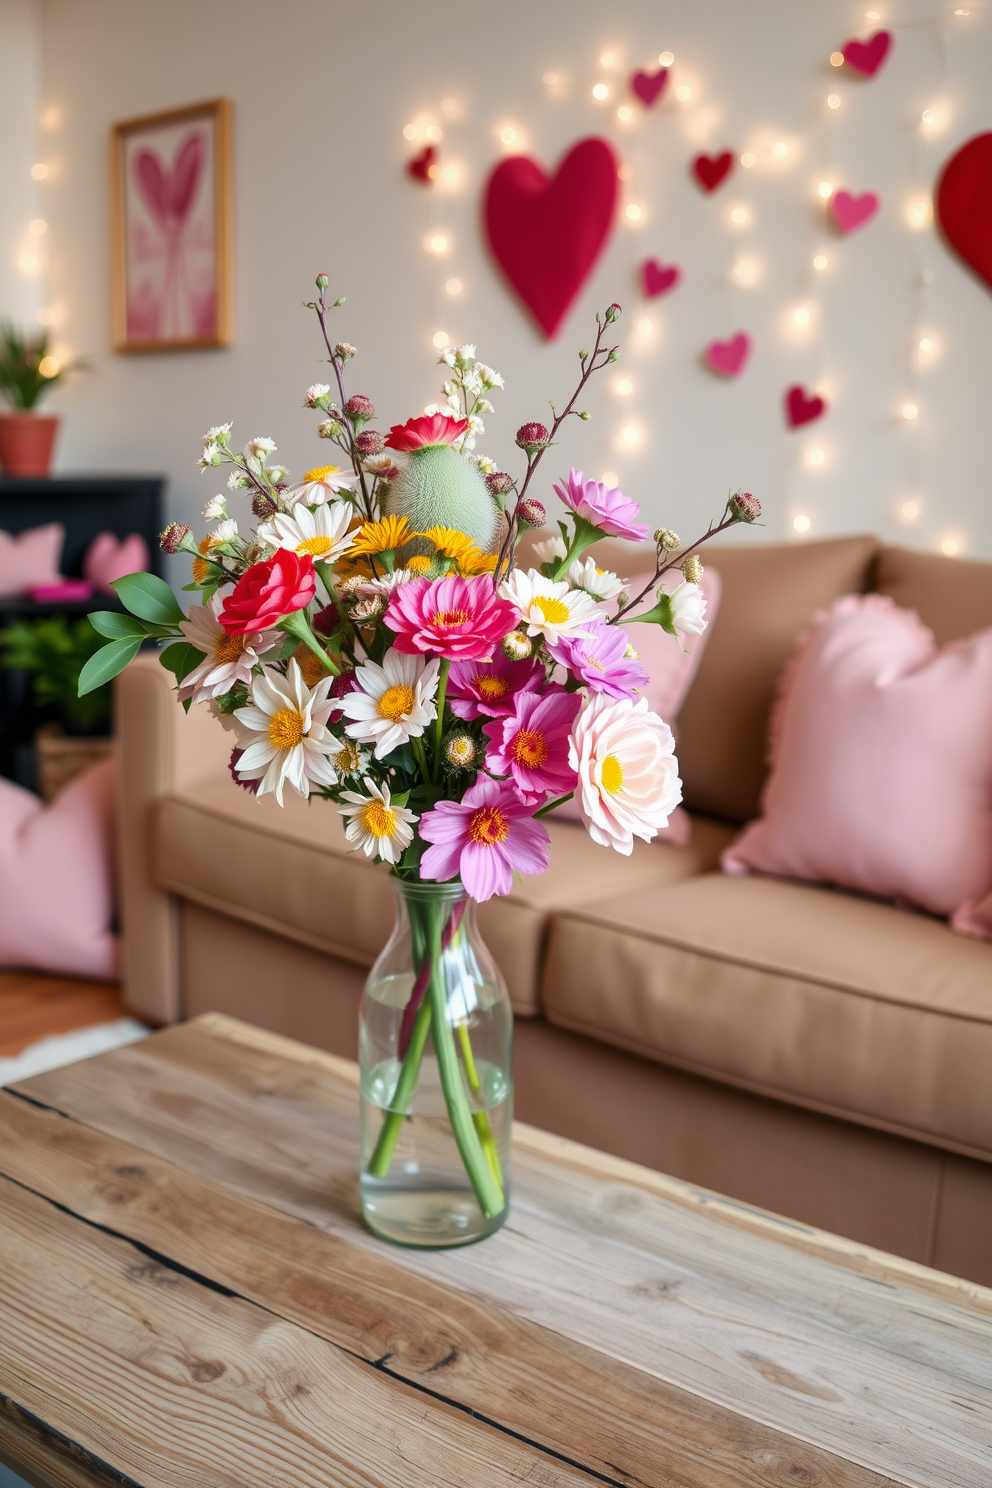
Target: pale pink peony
(609, 510)
(628, 773)
(483, 839)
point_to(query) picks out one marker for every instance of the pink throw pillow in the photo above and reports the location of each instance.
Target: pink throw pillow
(881, 755)
(108, 559)
(56, 877)
(31, 559)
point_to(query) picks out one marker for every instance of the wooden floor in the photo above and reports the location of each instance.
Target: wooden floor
(32, 1007)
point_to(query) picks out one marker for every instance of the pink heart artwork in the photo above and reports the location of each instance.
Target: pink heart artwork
(853, 211)
(656, 279)
(107, 558)
(710, 170)
(420, 168)
(867, 57)
(729, 357)
(649, 86)
(169, 194)
(800, 408)
(546, 232)
(964, 204)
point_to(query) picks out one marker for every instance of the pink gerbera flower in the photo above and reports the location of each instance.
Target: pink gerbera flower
(599, 659)
(431, 428)
(532, 745)
(462, 619)
(488, 689)
(483, 839)
(609, 510)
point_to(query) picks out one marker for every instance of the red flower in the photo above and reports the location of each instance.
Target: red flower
(432, 428)
(268, 591)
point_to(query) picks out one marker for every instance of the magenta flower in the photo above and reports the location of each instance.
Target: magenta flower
(483, 839)
(462, 619)
(532, 745)
(598, 660)
(609, 510)
(488, 689)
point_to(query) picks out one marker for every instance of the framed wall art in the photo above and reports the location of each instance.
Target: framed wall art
(171, 211)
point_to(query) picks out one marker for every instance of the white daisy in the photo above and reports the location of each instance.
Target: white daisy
(283, 733)
(599, 582)
(318, 486)
(550, 549)
(384, 583)
(227, 659)
(395, 701)
(215, 509)
(349, 759)
(324, 533)
(225, 531)
(551, 610)
(376, 826)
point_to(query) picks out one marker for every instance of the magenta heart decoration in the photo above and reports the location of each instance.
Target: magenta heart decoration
(803, 408)
(963, 200)
(169, 195)
(108, 559)
(656, 279)
(649, 86)
(547, 231)
(710, 170)
(729, 358)
(867, 57)
(851, 212)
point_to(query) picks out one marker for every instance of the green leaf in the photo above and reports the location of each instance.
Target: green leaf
(180, 659)
(399, 798)
(111, 623)
(107, 663)
(149, 598)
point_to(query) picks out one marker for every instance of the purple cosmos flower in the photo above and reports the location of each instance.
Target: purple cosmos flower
(609, 510)
(598, 660)
(532, 745)
(488, 689)
(483, 839)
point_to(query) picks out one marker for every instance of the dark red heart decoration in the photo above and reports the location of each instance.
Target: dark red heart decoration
(656, 279)
(419, 168)
(867, 57)
(649, 86)
(801, 409)
(546, 232)
(964, 204)
(710, 170)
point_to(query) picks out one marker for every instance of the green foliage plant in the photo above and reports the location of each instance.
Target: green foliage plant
(22, 381)
(53, 650)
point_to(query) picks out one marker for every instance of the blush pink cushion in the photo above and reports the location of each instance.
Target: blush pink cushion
(107, 558)
(56, 877)
(31, 559)
(881, 755)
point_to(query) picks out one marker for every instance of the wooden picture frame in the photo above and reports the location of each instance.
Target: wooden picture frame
(171, 209)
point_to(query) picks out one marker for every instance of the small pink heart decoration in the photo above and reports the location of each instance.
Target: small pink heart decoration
(867, 57)
(854, 211)
(658, 280)
(108, 559)
(729, 357)
(801, 409)
(649, 86)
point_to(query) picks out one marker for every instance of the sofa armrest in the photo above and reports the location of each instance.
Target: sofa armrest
(160, 749)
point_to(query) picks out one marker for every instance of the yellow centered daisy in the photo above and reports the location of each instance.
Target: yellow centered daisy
(419, 563)
(396, 702)
(320, 472)
(555, 611)
(461, 750)
(449, 617)
(381, 537)
(529, 749)
(378, 819)
(492, 687)
(611, 774)
(450, 543)
(228, 648)
(488, 826)
(286, 728)
(317, 547)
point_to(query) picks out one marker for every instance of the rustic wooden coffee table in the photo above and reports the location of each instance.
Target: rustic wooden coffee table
(188, 1298)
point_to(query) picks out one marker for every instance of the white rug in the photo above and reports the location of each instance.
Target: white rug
(66, 1048)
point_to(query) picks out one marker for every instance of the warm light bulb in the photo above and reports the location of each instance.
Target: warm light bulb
(633, 212)
(48, 366)
(441, 339)
(45, 317)
(909, 511)
(833, 100)
(448, 105)
(820, 261)
(666, 59)
(745, 271)
(453, 286)
(630, 435)
(919, 212)
(600, 92)
(836, 59)
(909, 411)
(950, 547)
(801, 524)
(607, 60)
(801, 316)
(610, 478)
(410, 132)
(683, 94)
(927, 116)
(825, 189)
(780, 149)
(624, 386)
(39, 172)
(624, 172)
(748, 159)
(815, 457)
(508, 136)
(434, 133)
(624, 113)
(962, 12)
(439, 243)
(871, 15)
(37, 227)
(926, 344)
(27, 263)
(549, 79)
(645, 328)
(739, 215)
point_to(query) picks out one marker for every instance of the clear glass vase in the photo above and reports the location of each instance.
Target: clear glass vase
(435, 1051)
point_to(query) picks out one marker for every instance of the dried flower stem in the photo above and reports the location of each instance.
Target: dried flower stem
(675, 561)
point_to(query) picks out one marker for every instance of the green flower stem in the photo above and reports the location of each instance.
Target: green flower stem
(442, 689)
(583, 537)
(405, 1085)
(480, 1118)
(297, 625)
(418, 749)
(558, 801)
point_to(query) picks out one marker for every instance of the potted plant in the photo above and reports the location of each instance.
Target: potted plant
(53, 650)
(27, 371)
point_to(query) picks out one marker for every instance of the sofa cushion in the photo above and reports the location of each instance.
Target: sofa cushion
(768, 597)
(811, 996)
(951, 596)
(290, 871)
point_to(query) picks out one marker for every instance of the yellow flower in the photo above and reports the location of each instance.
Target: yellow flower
(200, 565)
(419, 563)
(384, 536)
(450, 543)
(320, 472)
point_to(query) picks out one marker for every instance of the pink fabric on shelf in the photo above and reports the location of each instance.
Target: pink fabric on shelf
(68, 591)
(881, 755)
(108, 558)
(31, 559)
(57, 877)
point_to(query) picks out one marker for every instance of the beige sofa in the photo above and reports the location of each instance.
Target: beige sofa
(816, 1053)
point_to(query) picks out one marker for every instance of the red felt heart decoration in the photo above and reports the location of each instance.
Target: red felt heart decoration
(710, 170)
(853, 211)
(658, 280)
(546, 232)
(419, 168)
(964, 204)
(867, 56)
(728, 357)
(801, 409)
(649, 86)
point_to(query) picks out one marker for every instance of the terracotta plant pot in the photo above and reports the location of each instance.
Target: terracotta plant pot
(26, 443)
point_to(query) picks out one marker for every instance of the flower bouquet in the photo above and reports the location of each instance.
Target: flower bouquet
(371, 640)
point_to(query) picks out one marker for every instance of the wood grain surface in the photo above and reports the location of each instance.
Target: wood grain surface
(612, 1322)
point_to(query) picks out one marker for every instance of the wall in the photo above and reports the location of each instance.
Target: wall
(20, 249)
(322, 94)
